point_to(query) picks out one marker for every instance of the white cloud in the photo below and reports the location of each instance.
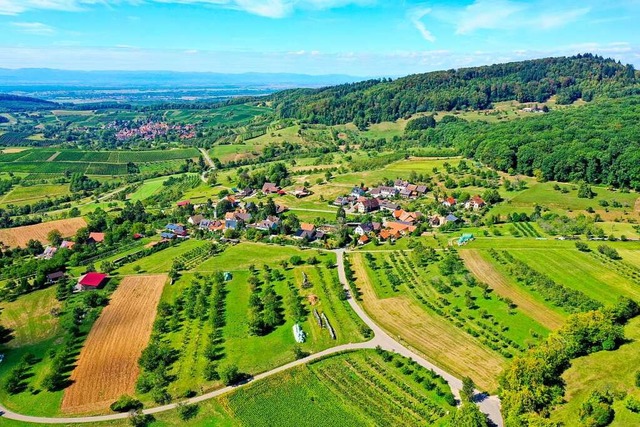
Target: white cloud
(415, 16)
(509, 15)
(34, 28)
(266, 8)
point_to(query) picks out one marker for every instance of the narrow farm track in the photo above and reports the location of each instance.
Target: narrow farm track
(489, 405)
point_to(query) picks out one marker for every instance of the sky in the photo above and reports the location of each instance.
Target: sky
(354, 37)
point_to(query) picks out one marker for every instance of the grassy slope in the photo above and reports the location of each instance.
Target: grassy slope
(613, 370)
(30, 317)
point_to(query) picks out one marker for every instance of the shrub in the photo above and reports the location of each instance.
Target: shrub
(632, 404)
(125, 403)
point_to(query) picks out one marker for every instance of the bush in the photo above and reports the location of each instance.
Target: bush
(582, 247)
(632, 404)
(638, 379)
(125, 403)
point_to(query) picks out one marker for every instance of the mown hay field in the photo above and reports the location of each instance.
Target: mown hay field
(20, 236)
(108, 364)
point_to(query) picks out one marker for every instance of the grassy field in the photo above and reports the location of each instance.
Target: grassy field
(30, 317)
(160, 262)
(605, 370)
(580, 271)
(24, 195)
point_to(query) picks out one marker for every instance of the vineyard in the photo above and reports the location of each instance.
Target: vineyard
(52, 161)
(360, 388)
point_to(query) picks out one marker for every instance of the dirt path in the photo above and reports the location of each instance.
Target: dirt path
(485, 272)
(53, 156)
(637, 207)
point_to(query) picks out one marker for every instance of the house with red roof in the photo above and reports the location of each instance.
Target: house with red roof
(95, 238)
(91, 281)
(183, 203)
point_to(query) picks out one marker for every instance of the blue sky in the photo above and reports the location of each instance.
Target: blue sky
(356, 37)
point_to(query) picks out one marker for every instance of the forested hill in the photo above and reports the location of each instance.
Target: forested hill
(373, 101)
(10, 103)
(596, 143)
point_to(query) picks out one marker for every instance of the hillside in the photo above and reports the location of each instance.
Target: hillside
(373, 101)
(9, 103)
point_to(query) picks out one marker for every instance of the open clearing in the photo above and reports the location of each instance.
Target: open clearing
(486, 272)
(20, 236)
(30, 317)
(108, 363)
(440, 342)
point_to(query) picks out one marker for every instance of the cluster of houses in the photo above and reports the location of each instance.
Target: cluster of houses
(398, 224)
(364, 200)
(474, 203)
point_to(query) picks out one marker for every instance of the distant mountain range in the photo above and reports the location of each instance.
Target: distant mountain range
(45, 78)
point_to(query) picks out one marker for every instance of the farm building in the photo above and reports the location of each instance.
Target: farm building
(465, 238)
(227, 276)
(183, 203)
(90, 282)
(55, 276)
(67, 244)
(95, 238)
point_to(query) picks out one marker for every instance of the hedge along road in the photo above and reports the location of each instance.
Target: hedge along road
(489, 405)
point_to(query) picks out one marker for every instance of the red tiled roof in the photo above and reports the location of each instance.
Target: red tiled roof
(92, 279)
(97, 237)
(184, 203)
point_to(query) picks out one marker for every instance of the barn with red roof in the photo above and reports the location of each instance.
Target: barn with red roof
(91, 281)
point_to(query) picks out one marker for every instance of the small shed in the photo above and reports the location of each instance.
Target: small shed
(227, 276)
(465, 238)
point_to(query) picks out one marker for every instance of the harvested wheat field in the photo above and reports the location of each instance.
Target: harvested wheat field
(485, 272)
(108, 363)
(437, 340)
(20, 236)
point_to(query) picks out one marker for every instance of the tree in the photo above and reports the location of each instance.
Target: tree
(469, 415)
(125, 403)
(585, 191)
(54, 237)
(468, 388)
(230, 375)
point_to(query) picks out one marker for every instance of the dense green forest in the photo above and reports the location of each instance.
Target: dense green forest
(596, 143)
(373, 101)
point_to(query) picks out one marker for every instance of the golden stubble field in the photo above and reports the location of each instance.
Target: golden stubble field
(108, 363)
(20, 236)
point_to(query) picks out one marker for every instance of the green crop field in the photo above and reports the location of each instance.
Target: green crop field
(339, 391)
(30, 317)
(24, 195)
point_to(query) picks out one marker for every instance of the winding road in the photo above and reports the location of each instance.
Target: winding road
(489, 405)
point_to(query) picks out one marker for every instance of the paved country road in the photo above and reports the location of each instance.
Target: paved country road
(489, 405)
